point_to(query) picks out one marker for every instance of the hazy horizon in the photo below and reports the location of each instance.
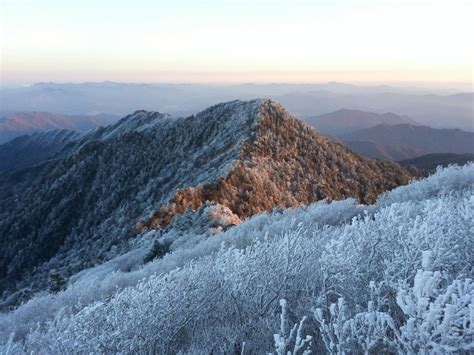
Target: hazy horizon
(424, 87)
(351, 41)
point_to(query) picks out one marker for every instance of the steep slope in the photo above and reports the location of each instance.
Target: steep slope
(431, 161)
(83, 207)
(28, 150)
(15, 124)
(409, 141)
(344, 121)
(286, 163)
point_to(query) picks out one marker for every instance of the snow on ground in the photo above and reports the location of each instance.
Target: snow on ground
(392, 277)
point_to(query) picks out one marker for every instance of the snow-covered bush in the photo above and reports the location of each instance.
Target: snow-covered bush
(365, 332)
(439, 316)
(291, 336)
(220, 293)
(435, 318)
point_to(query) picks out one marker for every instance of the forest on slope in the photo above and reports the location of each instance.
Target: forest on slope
(89, 201)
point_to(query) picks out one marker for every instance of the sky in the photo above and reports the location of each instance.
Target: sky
(227, 41)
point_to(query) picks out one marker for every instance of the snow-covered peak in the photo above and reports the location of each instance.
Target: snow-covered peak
(138, 121)
(233, 117)
(148, 168)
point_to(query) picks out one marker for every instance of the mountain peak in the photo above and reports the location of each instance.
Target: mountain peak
(251, 110)
(281, 162)
(140, 120)
(246, 156)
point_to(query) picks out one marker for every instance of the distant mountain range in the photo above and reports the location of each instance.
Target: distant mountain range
(344, 121)
(437, 111)
(383, 151)
(389, 136)
(105, 188)
(442, 109)
(15, 124)
(406, 141)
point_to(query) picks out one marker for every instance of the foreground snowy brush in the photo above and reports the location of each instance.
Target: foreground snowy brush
(395, 277)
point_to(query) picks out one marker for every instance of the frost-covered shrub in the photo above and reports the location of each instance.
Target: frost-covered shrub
(439, 315)
(365, 332)
(435, 317)
(158, 250)
(454, 178)
(291, 336)
(57, 282)
(10, 347)
(217, 293)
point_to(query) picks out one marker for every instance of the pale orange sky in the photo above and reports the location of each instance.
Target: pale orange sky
(236, 41)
